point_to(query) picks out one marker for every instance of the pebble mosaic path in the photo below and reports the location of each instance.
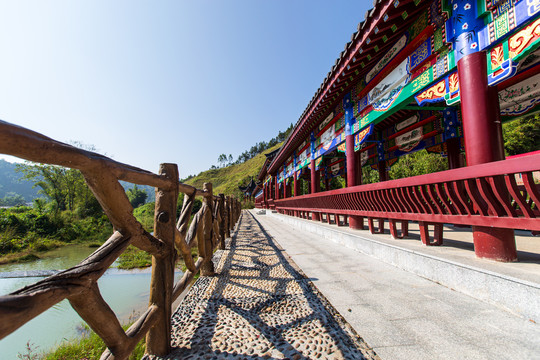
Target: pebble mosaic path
(260, 306)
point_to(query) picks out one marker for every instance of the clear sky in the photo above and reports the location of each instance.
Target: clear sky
(148, 82)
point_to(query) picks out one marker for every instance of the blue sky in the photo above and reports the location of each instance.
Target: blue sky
(148, 82)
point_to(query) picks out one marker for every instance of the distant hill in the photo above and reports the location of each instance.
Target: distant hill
(11, 182)
(227, 179)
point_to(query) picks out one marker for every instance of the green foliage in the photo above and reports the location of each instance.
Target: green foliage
(226, 180)
(12, 199)
(418, 163)
(522, 135)
(11, 182)
(65, 188)
(88, 347)
(134, 258)
(369, 175)
(337, 182)
(25, 231)
(136, 196)
(145, 215)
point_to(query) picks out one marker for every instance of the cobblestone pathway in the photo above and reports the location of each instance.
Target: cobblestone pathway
(259, 306)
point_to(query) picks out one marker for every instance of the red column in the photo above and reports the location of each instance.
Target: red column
(296, 185)
(314, 185)
(355, 222)
(383, 174)
(452, 148)
(276, 184)
(483, 143)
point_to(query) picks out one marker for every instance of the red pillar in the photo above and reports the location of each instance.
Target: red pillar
(276, 184)
(383, 174)
(452, 148)
(483, 144)
(296, 185)
(314, 185)
(355, 222)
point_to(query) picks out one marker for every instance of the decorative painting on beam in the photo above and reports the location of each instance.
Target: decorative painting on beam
(390, 54)
(503, 59)
(318, 163)
(361, 137)
(512, 17)
(425, 142)
(383, 95)
(303, 158)
(409, 140)
(520, 98)
(446, 89)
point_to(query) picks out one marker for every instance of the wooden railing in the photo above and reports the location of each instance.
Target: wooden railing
(482, 195)
(208, 229)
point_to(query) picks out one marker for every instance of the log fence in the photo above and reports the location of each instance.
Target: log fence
(207, 230)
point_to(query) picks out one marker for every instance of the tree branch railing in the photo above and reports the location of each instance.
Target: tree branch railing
(208, 229)
(480, 195)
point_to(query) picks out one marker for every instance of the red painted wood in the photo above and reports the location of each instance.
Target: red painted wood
(373, 201)
(532, 189)
(460, 209)
(444, 197)
(494, 208)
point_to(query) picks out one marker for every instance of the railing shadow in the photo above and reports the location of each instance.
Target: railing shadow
(260, 306)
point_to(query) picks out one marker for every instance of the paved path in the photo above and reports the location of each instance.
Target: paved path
(259, 306)
(401, 315)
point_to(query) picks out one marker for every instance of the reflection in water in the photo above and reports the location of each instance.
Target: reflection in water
(126, 292)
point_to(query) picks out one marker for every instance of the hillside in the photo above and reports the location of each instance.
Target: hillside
(11, 182)
(227, 179)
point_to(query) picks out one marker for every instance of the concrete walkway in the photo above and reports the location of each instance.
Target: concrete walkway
(260, 306)
(399, 314)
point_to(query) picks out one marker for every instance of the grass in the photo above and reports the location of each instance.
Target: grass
(88, 347)
(27, 252)
(134, 258)
(226, 180)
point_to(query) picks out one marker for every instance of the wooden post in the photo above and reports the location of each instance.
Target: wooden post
(222, 222)
(158, 339)
(207, 268)
(226, 216)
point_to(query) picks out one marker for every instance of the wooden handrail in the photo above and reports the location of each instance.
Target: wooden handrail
(210, 225)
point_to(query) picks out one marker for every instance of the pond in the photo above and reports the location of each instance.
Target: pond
(126, 292)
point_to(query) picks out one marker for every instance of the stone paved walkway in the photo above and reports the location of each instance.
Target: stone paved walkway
(260, 306)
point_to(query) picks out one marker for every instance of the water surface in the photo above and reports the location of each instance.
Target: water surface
(126, 292)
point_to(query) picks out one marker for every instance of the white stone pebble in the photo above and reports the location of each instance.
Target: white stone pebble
(259, 306)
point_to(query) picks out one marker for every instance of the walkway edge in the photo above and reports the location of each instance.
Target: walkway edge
(517, 296)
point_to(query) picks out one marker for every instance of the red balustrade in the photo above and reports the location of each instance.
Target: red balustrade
(480, 195)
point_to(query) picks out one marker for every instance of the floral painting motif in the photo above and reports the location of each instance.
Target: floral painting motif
(497, 56)
(520, 98)
(453, 83)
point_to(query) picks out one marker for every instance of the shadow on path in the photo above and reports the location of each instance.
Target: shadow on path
(260, 306)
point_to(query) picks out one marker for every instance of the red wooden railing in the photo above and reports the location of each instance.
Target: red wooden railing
(482, 195)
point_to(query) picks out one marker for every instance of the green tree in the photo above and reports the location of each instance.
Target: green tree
(12, 199)
(136, 196)
(522, 135)
(222, 159)
(418, 163)
(65, 188)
